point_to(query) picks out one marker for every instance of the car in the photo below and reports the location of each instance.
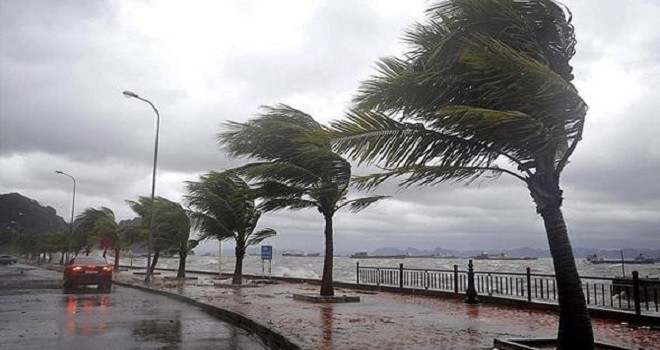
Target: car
(7, 260)
(86, 270)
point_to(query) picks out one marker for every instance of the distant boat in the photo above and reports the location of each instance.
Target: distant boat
(434, 256)
(431, 256)
(500, 256)
(297, 254)
(447, 257)
(365, 255)
(292, 254)
(639, 259)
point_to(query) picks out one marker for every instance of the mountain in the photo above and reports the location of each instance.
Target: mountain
(24, 215)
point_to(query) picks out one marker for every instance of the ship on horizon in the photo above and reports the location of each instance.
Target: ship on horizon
(365, 255)
(300, 254)
(597, 258)
(500, 256)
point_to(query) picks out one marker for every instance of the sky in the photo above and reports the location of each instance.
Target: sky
(64, 65)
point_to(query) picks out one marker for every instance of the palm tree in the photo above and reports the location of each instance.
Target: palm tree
(485, 90)
(294, 170)
(171, 228)
(53, 242)
(225, 208)
(92, 225)
(9, 241)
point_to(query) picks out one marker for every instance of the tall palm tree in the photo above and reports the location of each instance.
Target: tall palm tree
(294, 170)
(224, 207)
(484, 90)
(171, 228)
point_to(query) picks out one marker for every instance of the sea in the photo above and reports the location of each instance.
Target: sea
(345, 267)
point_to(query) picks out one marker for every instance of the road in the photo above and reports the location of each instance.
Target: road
(38, 316)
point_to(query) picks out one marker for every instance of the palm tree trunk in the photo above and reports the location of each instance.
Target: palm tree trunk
(154, 261)
(182, 264)
(238, 268)
(326, 279)
(575, 331)
(117, 251)
(62, 259)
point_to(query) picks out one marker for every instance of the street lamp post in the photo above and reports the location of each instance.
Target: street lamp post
(130, 94)
(73, 206)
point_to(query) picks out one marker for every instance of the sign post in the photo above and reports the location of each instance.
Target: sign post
(266, 254)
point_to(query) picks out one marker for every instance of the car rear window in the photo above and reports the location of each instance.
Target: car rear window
(85, 260)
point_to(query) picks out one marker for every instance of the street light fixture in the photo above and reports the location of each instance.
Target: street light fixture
(73, 206)
(130, 94)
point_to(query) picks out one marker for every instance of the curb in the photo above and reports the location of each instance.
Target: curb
(271, 338)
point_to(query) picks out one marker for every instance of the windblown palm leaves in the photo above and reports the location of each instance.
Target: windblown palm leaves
(295, 169)
(484, 80)
(485, 89)
(224, 207)
(95, 225)
(171, 228)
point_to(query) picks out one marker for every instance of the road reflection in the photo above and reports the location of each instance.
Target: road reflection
(326, 325)
(167, 332)
(85, 313)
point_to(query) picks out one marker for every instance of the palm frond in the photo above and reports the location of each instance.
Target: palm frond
(273, 136)
(375, 138)
(284, 172)
(274, 204)
(427, 175)
(259, 236)
(359, 204)
(274, 189)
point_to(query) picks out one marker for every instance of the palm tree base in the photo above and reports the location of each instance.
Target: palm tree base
(315, 298)
(544, 343)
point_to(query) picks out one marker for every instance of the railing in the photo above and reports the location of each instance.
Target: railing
(629, 294)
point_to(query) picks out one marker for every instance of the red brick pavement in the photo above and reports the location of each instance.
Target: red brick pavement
(387, 321)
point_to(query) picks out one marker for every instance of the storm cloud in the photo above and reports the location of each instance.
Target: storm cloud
(64, 64)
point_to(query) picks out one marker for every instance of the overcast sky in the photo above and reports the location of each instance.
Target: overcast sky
(64, 64)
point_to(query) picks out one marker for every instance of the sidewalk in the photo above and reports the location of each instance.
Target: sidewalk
(382, 320)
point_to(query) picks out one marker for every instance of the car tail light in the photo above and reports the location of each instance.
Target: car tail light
(77, 268)
(107, 268)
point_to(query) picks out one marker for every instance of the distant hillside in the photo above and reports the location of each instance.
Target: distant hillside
(22, 214)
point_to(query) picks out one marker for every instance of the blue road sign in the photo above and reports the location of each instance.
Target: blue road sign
(266, 252)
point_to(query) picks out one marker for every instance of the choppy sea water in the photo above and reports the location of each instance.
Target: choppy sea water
(344, 267)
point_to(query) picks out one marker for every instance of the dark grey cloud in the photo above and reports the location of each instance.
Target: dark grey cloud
(64, 64)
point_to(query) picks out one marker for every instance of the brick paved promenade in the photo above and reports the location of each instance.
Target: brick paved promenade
(384, 320)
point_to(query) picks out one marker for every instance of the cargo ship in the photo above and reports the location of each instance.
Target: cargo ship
(298, 255)
(639, 259)
(365, 255)
(500, 256)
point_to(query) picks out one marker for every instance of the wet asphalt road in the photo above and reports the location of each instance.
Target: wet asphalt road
(126, 318)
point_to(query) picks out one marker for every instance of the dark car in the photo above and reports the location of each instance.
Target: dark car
(86, 270)
(7, 260)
